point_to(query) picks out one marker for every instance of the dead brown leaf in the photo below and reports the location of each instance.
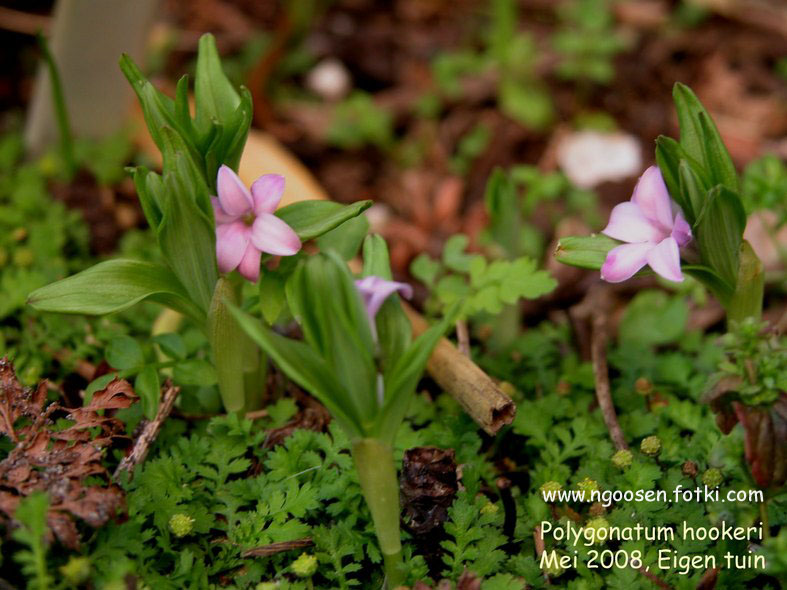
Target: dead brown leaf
(59, 461)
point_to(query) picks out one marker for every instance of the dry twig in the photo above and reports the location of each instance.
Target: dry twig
(481, 398)
(149, 433)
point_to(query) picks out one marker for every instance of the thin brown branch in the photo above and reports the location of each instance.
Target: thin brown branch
(149, 432)
(463, 338)
(274, 548)
(19, 21)
(598, 352)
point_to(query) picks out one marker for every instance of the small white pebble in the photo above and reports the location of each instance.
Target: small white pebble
(589, 158)
(329, 79)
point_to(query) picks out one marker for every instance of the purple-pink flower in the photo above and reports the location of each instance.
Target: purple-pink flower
(375, 290)
(246, 225)
(654, 229)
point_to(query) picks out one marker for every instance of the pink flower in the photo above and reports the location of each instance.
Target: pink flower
(654, 228)
(246, 225)
(375, 290)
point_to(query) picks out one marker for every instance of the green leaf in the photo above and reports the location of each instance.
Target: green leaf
(149, 186)
(148, 387)
(502, 205)
(585, 251)
(195, 372)
(400, 381)
(123, 352)
(171, 344)
(719, 231)
(425, 269)
(454, 256)
(157, 108)
(719, 162)
(692, 191)
(375, 258)
(215, 98)
(311, 219)
(304, 366)
(653, 318)
(670, 156)
(700, 138)
(188, 241)
(113, 286)
(273, 298)
(688, 106)
(336, 326)
(394, 331)
(346, 238)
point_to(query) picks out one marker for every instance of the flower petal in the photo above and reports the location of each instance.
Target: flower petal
(232, 240)
(272, 235)
(653, 198)
(234, 198)
(375, 290)
(219, 214)
(266, 193)
(628, 223)
(664, 259)
(624, 261)
(249, 266)
(681, 230)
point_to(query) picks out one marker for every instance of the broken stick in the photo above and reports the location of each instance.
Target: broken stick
(149, 433)
(481, 398)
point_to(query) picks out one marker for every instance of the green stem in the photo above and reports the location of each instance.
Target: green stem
(380, 486)
(747, 299)
(227, 340)
(61, 112)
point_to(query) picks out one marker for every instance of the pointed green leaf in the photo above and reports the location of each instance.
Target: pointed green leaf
(401, 380)
(187, 239)
(719, 162)
(345, 239)
(336, 326)
(375, 258)
(394, 331)
(311, 219)
(692, 191)
(719, 231)
(302, 364)
(148, 387)
(113, 286)
(214, 95)
(701, 140)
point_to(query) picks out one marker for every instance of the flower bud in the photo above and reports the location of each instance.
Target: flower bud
(596, 525)
(689, 469)
(76, 570)
(643, 386)
(597, 509)
(490, 508)
(587, 486)
(549, 488)
(305, 565)
(712, 477)
(622, 459)
(181, 525)
(650, 446)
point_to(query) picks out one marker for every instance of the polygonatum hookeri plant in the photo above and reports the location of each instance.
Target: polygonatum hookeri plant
(358, 356)
(206, 222)
(686, 216)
